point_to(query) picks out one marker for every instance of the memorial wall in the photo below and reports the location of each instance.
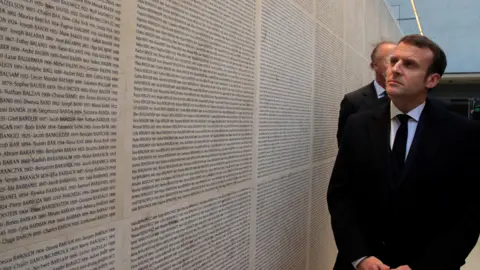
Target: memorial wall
(171, 134)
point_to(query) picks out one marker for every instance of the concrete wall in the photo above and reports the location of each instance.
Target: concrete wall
(452, 24)
(170, 134)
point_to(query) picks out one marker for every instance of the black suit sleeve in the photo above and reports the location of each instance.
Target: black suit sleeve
(450, 248)
(346, 109)
(349, 237)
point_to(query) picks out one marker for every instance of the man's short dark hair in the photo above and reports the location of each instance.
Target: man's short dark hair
(373, 55)
(439, 61)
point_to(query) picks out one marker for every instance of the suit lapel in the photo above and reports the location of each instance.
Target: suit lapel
(379, 131)
(370, 95)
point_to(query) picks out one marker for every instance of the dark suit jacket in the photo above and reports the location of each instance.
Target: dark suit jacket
(363, 99)
(429, 221)
(359, 100)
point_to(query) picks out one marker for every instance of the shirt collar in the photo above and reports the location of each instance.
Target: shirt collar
(378, 88)
(415, 113)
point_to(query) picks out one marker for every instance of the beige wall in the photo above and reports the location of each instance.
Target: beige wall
(171, 134)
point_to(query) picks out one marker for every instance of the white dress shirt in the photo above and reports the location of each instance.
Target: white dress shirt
(394, 125)
(379, 89)
(412, 124)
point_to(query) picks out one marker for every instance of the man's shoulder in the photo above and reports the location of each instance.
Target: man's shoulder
(462, 131)
(454, 120)
(362, 117)
(440, 103)
(360, 92)
(460, 120)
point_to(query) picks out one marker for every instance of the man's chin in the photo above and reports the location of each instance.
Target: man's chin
(393, 86)
(393, 91)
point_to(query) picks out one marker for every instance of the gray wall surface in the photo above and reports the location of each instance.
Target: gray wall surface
(175, 134)
(452, 24)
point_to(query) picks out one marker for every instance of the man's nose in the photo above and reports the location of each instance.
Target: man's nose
(396, 68)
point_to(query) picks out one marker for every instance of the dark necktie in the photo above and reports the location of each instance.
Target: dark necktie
(400, 147)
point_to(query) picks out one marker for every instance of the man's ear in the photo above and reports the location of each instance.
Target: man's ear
(432, 80)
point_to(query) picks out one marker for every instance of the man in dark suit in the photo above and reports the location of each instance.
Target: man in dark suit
(401, 194)
(368, 96)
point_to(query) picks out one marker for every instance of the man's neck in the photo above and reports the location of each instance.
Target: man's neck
(380, 80)
(406, 105)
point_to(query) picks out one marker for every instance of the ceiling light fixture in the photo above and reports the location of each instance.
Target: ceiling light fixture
(416, 17)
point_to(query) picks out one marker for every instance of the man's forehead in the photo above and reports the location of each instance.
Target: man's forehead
(412, 52)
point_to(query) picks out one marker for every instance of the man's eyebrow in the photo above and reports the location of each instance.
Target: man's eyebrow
(411, 60)
(404, 59)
